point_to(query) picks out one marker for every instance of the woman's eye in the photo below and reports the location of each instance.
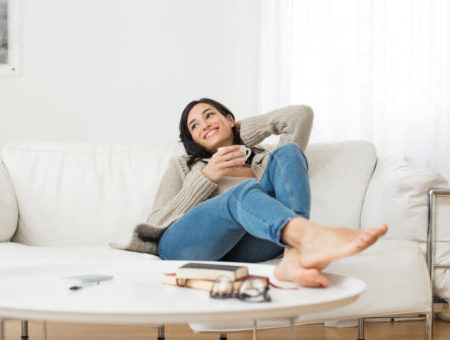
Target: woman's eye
(209, 114)
(193, 126)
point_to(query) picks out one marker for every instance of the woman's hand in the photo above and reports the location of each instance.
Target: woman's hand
(222, 162)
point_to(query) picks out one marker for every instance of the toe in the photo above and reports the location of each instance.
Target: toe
(380, 231)
(373, 231)
(319, 279)
(323, 281)
(363, 240)
(311, 278)
(366, 237)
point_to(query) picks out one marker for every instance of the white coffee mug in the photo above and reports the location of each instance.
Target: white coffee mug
(242, 148)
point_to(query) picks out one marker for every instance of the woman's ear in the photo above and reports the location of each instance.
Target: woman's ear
(230, 120)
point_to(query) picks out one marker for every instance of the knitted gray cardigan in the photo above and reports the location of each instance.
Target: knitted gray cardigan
(182, 188)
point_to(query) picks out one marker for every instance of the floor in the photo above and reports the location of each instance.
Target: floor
(405, 330)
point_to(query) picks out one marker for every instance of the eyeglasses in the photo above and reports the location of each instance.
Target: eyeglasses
(249, 290)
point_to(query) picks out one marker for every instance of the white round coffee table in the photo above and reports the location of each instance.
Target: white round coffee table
(137, 296)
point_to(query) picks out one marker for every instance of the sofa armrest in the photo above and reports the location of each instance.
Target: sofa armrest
(8, 206)
(438, 219)
(397, 195)
(438, 249)
(412, 202)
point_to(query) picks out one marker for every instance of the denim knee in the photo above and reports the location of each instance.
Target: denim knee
(244, 187)
(290, 150)
(236, 193)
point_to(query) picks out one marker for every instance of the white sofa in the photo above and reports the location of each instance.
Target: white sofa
(63, 202)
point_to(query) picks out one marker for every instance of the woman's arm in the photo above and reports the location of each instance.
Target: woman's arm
(293, 123)
(178, 193)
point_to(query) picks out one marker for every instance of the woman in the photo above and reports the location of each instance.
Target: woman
(266, 211)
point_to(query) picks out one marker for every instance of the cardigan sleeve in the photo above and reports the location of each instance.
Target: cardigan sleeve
(293, 123)
(178, 193)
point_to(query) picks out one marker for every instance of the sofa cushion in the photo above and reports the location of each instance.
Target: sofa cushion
(339, 176)
(15, 254)
(397, 283)
(83, 194)
(8, 206)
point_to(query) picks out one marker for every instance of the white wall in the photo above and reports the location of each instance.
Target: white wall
(123, 70)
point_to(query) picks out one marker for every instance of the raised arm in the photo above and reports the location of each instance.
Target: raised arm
(293, 123)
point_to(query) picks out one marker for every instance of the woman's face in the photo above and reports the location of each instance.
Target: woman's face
(209, 128)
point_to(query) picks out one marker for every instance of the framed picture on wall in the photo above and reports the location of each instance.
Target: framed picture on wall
(9, 37)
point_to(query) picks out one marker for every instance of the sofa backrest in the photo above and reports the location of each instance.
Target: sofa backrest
(339, 175)
(90, 194)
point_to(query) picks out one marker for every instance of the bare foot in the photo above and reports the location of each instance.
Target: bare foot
(290, 269)
(318, 245)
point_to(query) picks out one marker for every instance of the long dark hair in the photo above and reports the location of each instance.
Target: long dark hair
(195, 151)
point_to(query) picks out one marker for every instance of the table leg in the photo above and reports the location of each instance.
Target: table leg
(161, 333)
(44, 329)
(361, 329)
(292, 329)
(24, 330)
(254, 329)
(2, 328)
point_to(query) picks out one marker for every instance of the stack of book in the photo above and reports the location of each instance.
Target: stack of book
(203, 275)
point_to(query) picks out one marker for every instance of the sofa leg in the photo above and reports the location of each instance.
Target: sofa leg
(161, 335)
(429, 326)
(24, 330)
(361, 329)
(223, 336)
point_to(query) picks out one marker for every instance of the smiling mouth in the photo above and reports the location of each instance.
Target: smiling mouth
(211, 133)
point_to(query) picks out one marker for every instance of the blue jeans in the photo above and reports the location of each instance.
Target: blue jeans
(244, 224)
